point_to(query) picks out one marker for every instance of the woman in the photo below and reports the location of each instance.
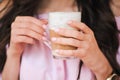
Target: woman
(4, 4)
(26, 52)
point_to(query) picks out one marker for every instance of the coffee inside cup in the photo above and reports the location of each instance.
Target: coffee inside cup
(58, 46)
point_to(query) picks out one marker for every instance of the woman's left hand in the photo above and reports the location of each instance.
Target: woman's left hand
(87, 48)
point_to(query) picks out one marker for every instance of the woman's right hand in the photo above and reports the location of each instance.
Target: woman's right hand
(25, 30)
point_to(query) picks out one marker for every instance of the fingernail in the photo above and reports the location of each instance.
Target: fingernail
(44, 26)
(70, 22)
(54, 39)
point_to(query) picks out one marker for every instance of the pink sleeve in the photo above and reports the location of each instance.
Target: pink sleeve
(118, 25)
(118, 56)
(0, 77)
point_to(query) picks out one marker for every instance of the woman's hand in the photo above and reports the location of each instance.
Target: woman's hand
(87, 48)
(25, 30)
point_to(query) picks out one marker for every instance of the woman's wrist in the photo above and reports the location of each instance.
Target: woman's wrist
(103, 73)
(12, 65)
(11, 53)
(103, 69)
(102, 76)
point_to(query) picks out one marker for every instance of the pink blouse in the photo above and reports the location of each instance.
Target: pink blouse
(118, 24)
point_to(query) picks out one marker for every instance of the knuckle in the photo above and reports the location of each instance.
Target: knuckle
(83, 53)
(79, 44)
(91, 32)
(38, 37)
(13, 25)
(90, 38)
(30, 19)
(12, 32)
(27, 25)
(87, 46)
(32, 40)
(76, 53)
(14, 39)
(83, 25)
(60, 40)
(17, 18)
(64, 30)
(64, 33)
(78, 35)
(31, 24)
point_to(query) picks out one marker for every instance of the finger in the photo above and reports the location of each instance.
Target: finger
(68, 53)
(71, 33)
(28, 19)
(30, 26)
(23, 39)
(68, 41)
(28, 33)
(81, 26)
